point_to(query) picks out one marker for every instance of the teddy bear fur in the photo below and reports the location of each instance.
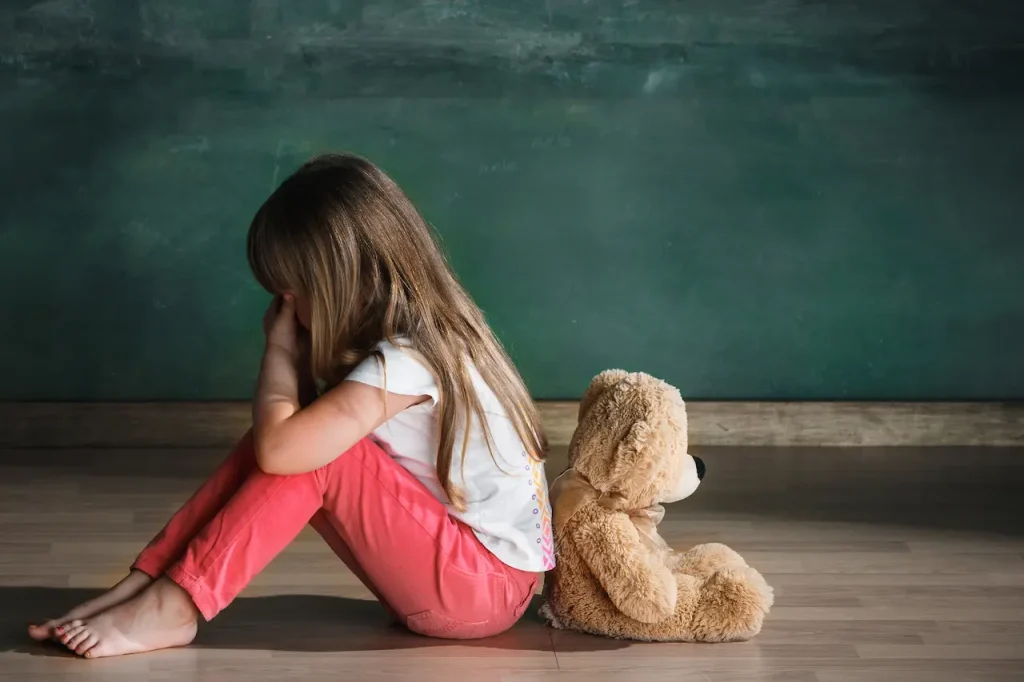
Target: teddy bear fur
(614, 575)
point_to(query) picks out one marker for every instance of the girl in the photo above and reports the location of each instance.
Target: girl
(419, 464)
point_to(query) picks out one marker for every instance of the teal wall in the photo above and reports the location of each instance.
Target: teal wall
(753, 200)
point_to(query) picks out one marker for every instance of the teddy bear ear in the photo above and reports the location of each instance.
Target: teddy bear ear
(598, 386)
(634, 462)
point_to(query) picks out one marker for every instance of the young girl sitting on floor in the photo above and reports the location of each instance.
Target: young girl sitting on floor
(420, 463)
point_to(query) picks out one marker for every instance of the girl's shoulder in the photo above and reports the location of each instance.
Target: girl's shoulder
(396, 367)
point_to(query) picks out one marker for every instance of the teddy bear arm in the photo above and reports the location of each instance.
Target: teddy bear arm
(637, 583)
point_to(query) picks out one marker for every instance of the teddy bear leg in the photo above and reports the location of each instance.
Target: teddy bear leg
(732, 605)
(703, 560)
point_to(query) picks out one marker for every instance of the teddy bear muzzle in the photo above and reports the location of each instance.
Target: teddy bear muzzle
(690, 475)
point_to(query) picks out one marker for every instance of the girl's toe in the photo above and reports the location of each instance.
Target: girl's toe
(90, 641)
(68, 633)
(41, 632)
(76, 641)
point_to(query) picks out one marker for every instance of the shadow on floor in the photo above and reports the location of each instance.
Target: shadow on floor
(295, 623)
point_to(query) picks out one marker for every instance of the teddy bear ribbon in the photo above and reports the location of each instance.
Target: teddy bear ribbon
(571, 492)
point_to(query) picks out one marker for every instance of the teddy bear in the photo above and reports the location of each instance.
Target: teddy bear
(614, 575)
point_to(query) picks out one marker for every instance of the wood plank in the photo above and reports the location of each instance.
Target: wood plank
(813, 424)
(875, 598)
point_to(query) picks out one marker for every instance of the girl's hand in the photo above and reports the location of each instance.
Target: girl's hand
(281, 326)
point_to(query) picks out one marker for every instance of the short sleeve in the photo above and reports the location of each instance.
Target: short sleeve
(403, 373)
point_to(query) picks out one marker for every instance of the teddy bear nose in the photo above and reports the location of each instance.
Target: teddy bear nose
(700, 468)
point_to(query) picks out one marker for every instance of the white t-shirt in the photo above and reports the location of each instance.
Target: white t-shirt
(507, 507)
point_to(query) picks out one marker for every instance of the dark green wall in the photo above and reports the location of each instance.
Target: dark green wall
(813, 200)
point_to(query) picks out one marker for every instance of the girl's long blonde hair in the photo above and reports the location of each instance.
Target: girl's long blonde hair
(340, 233)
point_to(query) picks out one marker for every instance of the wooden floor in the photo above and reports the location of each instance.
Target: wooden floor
(899, 564)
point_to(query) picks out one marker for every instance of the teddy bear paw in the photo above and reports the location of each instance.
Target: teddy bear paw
(732, 606)
(548, 614)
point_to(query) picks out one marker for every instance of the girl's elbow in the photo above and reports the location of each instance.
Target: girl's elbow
(269, 468)
(265, 464)
(280, 461)
(269, 460)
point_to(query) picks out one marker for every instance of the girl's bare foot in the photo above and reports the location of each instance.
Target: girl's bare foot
(135, 582)
(160, 617)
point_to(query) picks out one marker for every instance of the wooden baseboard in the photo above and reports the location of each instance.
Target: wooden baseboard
(218, 424)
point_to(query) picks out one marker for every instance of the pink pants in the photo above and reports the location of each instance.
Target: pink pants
(428, 569)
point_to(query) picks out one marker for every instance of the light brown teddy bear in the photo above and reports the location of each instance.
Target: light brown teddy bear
(615, 576)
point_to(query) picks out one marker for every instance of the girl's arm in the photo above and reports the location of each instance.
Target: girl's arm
(292, 440)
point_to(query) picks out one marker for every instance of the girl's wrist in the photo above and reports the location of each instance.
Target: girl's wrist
(272, 347)
(278, 374)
